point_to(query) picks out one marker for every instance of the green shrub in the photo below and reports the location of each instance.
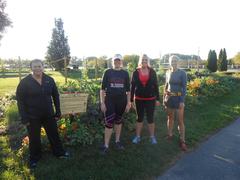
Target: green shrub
(12, 114)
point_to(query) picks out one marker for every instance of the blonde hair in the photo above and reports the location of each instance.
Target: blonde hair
(141, 58)
(173, 57)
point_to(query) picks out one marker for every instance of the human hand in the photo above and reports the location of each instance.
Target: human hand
(103, 107)
(26, 124)
(157, 103)
(128, 106)
(181, 105)
(133, 105)
(57, 116)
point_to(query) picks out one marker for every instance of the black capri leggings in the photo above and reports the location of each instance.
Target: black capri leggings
(145, 105)
(116, 106)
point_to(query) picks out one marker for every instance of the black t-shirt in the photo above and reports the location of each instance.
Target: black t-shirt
(116, 82)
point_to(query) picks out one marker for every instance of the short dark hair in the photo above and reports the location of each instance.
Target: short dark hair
(34, 61)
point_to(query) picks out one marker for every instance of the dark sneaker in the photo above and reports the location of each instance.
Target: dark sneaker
(64, 156)
(104, 150)
(119, 145)
(32, 164)
(183, 146)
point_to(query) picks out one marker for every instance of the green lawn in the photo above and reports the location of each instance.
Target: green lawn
(143, 161)
(8, 85)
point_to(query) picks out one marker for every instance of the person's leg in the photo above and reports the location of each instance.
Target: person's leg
(181, 126)
(140, 116)
(108, 120)
(107, 136)
(151, 129)
(50, 127)
(170, 121)
(34, 140)
(118, 130)
(150, 107)
(120, 106)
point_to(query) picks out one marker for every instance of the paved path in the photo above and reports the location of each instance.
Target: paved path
(216, 159)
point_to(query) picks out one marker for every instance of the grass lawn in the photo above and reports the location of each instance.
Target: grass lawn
(8, 85)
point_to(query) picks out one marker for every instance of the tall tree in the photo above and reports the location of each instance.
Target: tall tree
(225, 61)
(222, 60)
(4, 19)
(58, 48)
(212, 61)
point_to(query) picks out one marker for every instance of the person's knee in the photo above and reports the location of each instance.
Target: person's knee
(139, 120)
(118, 122)
(170, 115)
(118, 119)
(150, 120)
(108, 126)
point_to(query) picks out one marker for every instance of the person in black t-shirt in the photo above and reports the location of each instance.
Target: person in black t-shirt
(34, 99)
(115, 100)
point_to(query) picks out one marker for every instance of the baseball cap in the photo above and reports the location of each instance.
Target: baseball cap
(117, 56)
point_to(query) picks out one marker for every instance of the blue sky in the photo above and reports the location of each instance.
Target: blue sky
(106, 27)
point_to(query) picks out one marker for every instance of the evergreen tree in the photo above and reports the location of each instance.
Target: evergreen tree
(225, 61)
(212, 61)
(4, 19)
(220, 61)
(58, 48)
(209, 60)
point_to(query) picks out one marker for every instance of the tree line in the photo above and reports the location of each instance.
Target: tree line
(214, 63)
(59, 50)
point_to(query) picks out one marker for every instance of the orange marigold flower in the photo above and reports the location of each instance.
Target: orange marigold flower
(25, 141)
(62, 127)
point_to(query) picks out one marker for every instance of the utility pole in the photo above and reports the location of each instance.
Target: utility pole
(96, 68)
(198, 60)
(160, 55)
(65, 69)
(19, 68)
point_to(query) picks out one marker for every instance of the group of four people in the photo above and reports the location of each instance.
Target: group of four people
(37, 92)
(118, 95)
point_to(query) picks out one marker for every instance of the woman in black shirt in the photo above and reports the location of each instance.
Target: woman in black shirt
(115, 100)
(145, 92)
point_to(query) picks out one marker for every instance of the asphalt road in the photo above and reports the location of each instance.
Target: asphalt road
(218, 158)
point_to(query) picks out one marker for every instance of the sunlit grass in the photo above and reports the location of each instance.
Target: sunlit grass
(9, 85)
